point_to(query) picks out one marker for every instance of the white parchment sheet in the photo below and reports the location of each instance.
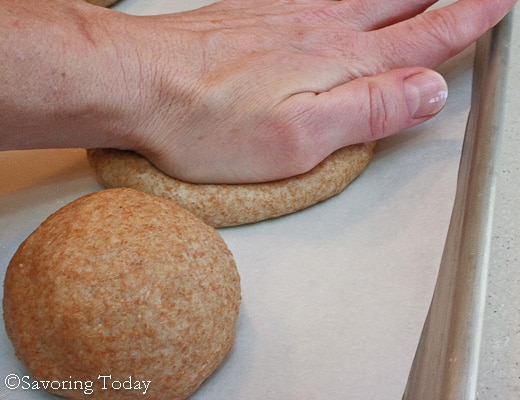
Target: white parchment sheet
(335, 296)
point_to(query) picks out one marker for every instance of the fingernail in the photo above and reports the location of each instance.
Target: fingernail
(426, 94)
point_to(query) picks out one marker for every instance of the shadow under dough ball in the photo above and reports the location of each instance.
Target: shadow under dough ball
(102, 3)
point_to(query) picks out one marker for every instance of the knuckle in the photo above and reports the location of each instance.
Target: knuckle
(294, 146)
(443, 29)
(381, 108)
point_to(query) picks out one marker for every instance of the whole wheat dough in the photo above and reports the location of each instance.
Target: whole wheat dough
(228, 205)
(125, 284)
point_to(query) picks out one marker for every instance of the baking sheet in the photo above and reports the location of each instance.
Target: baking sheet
(446, 365)
(335, 296)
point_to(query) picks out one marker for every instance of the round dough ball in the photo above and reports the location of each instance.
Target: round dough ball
(102, 3)
(228, 205)
(122, 284)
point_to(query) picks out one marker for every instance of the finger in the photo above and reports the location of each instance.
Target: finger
(357, 14)
(431, 38)
(363, 110)
(367, 15)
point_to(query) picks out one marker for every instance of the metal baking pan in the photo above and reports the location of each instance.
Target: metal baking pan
(446, 363)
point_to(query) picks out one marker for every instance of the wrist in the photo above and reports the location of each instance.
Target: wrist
(63, 84)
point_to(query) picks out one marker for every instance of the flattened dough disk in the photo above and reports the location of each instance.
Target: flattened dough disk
(229, 205)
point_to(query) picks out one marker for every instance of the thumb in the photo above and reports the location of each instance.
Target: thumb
(371, 108)
(391, 102)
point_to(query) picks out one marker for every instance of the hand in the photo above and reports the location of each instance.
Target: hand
(238, 91)
(257, 90)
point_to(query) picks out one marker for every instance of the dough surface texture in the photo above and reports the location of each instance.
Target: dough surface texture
(123, 284)
(229, 205)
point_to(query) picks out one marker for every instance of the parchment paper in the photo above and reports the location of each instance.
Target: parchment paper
(335, 296)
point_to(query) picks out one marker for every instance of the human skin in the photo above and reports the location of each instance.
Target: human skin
(238, 91)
